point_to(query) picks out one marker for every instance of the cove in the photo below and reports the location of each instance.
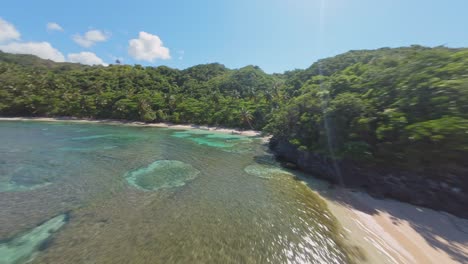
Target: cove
(140, 194)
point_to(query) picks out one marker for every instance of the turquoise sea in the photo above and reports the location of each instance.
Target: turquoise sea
(96, 193)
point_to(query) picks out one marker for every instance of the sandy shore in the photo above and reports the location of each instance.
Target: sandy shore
(393, 232)
(250, 133)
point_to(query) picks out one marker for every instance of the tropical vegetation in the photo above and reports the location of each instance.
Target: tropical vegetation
(401, 106)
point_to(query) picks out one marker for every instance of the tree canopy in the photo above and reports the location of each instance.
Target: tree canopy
(405, 106)
(204, 94)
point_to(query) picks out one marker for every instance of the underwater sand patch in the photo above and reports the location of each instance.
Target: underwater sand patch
(23, 248)
(84, 138)
(222, 141)
(162, 174)
(86, 149)
(27, 177)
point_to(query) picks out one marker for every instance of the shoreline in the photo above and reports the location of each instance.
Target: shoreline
(390, 231)
(220, 129)
(387, 230)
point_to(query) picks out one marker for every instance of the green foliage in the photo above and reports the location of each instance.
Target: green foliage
(204, 94)
(447, 133)
(404, 106)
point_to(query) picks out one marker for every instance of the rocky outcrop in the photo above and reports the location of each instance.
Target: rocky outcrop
(440, 192)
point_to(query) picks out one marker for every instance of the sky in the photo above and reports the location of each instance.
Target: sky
(277, 35)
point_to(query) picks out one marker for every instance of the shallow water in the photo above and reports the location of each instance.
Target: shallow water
(154, 195)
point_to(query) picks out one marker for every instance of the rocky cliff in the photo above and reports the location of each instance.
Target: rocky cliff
(424, 189)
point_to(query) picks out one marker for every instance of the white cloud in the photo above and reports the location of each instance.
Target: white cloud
(8, 31)
(148, 47)
(52, 26)
(90, 38)
(85, 58)
(41, 49)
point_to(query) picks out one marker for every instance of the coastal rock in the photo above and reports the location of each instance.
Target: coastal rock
(419, 188)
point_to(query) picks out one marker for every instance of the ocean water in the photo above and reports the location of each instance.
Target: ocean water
(91, 193)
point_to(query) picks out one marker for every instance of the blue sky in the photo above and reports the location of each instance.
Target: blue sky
(276, 35)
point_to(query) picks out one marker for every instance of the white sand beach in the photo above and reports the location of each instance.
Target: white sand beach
(394, 232)
(250, 133)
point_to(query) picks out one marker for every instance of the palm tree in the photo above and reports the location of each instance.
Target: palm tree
(246, 116)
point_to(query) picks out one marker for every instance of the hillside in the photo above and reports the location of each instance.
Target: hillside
(393, 121)
(204, 94)
(374, 104)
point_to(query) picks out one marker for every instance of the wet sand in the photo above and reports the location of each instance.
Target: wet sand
(394, 232)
